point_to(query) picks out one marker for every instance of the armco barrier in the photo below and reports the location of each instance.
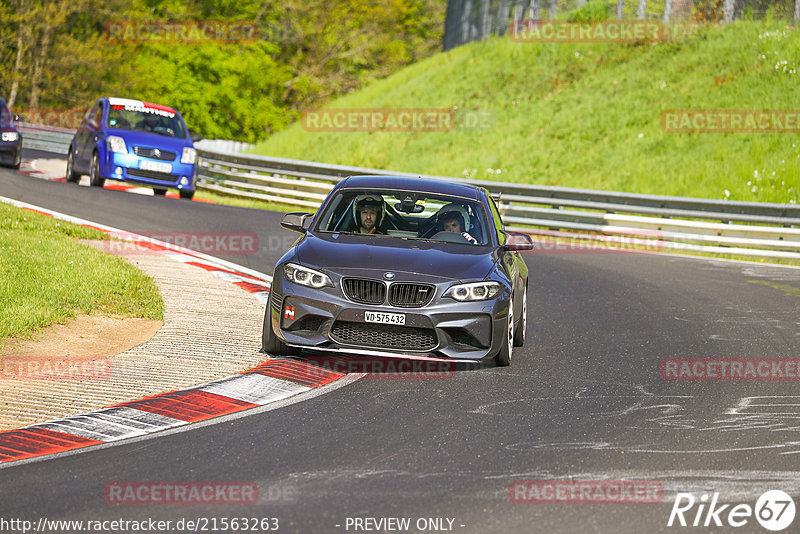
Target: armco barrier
(690, 224)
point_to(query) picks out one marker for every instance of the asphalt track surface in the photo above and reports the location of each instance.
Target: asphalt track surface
(583, 400)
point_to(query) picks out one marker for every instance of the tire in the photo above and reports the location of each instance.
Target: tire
(17, 162)
(522, 324)
(72, 176)
(95, 180)
(503, 357)
(187, 195)
(270, 343)
(159, 192)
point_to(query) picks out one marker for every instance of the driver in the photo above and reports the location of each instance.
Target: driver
(369, 213)
(150, 123)
(452, 221)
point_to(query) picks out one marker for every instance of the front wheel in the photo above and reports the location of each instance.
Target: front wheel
(72, 176)
(95, 179)
(159, 192)
(188, 195)
(503, 357)
(270, 343)
(18, 161)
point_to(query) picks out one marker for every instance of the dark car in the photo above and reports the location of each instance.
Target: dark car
(134, 141)
(384, 270)
(10, 138)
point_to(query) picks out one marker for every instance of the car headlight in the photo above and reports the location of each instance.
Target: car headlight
(189, 155)
(117, 144)
(305, 276)
(10, 136)
(474, 291)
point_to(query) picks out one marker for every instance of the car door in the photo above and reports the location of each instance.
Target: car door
(510, 259)
(87, 135)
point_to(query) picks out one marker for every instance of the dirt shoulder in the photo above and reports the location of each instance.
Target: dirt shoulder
(211, 330)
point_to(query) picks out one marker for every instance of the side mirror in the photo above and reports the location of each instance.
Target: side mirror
(298, 222)
(19, 118)
(195, 137)
(517, 241)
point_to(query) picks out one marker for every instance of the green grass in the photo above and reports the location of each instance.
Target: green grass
(47, 276)
(588, 115)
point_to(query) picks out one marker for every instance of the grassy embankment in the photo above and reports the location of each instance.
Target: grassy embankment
(588, 115)
(47, 276)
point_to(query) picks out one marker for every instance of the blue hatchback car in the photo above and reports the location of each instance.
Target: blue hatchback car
(134, 141)
(10, 138)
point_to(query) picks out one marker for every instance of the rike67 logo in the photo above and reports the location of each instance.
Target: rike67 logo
(774, 510)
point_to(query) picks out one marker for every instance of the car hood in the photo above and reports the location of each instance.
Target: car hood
(350, 255)
(174, 144)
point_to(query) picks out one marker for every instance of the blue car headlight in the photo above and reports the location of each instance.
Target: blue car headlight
(10, 136)
(473, 291)
(305, 276)
(189, 155)
(117, 144)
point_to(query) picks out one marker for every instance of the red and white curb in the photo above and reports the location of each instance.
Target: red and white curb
(271, 381)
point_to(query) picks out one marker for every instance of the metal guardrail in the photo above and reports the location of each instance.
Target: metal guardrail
(47, 138)
(681, 223)
(692, 224)
(53, 139)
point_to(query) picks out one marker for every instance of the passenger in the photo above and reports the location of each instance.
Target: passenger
(369, 210)
(452, 221)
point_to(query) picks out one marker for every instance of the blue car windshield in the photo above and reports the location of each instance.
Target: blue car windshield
(409, 215)
(143, 121)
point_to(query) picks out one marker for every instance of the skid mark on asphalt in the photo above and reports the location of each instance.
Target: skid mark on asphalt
(768, 423)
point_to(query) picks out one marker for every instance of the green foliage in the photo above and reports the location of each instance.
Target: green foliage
(307, 52)
(593, 11)
(708, 11)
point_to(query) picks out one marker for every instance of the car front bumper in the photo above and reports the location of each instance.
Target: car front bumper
(325, 320)
(127, 168)
(10, 150)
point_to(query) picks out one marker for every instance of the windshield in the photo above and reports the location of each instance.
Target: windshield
(160, 120)
(405, 214)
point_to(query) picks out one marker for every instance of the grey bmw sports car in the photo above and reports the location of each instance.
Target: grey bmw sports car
(401, 267)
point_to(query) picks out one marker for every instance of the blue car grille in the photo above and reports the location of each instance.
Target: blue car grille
(364, 291)
(383, 336)
(152, 175)
(154, 153)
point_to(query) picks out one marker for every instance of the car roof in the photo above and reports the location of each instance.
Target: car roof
(112, 100)
(404, 183)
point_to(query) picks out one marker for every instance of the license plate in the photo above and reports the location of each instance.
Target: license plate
(156, 166)
(384, 318)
